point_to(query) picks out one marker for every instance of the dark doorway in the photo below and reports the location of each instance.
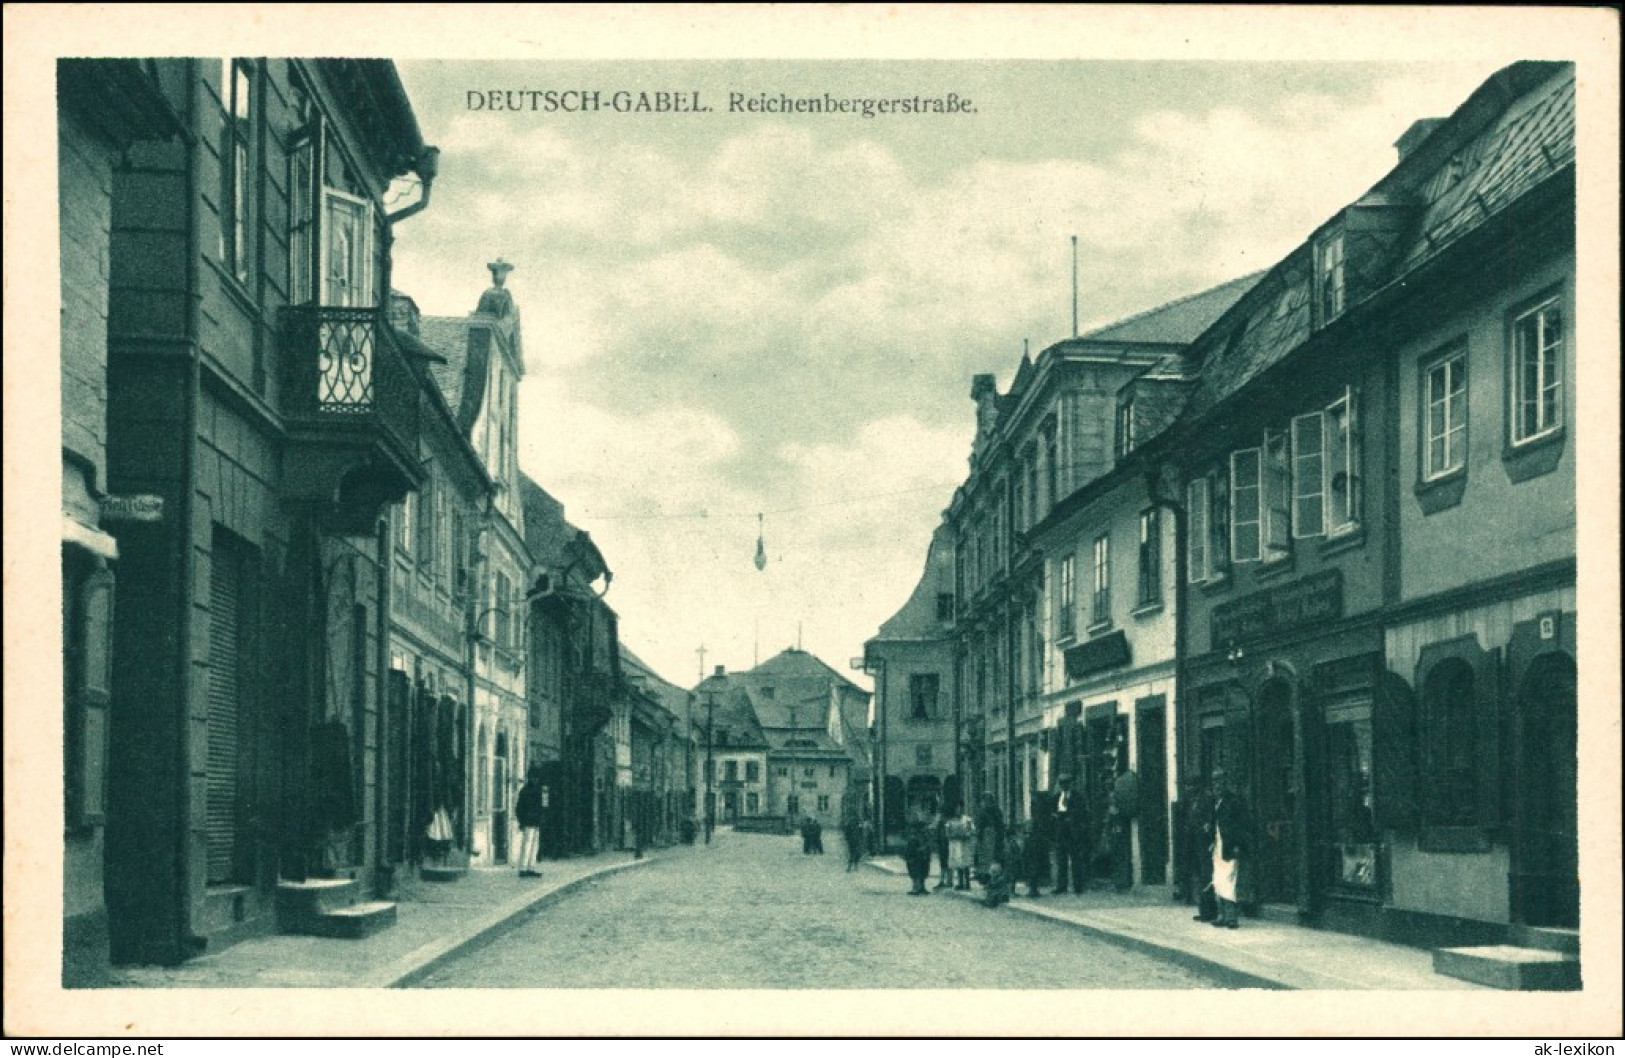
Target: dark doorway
(1276, 793)
(1151, 749)
(1548, 837)
(554, 838)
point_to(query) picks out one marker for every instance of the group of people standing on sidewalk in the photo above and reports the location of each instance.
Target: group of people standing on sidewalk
(1066, 844)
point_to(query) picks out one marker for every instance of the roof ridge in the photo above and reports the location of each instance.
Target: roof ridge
(1174, 303)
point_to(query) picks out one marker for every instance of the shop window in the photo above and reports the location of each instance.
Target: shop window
(1354, 832)
(1449, 733)
(752, 804)
(1458, 741)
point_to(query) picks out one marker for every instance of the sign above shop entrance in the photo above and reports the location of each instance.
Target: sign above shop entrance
(1311, 600)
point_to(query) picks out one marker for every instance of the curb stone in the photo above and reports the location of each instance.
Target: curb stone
(415, 967)
(1227, 975)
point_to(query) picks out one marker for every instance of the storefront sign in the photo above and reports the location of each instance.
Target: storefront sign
(1309, 601)
(132, 508)
(1106, 652)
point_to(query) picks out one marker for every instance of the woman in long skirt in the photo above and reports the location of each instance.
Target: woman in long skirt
(961, 831)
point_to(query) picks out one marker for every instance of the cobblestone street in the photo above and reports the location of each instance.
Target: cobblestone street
(751, 911)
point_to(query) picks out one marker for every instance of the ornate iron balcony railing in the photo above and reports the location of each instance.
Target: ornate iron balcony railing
(343, 366)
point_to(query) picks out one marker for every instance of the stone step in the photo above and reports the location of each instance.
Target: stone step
(1545, 938)
(1508, 967)
(441, 873)
(353, 922)
(317, 895)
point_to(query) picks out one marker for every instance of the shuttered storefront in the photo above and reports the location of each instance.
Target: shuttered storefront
(225, 708)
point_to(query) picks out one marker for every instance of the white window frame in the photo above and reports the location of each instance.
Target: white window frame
(361, 292)
(1444, 420)
(1238, 511)
(1150, 557)
(1329, 267)
(1067, 597)
(1196, 530)
(1101, 606)
(1548, 372)
(1276, 498)
(1309, 475)
(1347, 466)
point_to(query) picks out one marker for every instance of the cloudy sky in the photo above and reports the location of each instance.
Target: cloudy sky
(727, 314)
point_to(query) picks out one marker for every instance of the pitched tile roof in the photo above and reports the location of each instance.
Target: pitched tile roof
(1179, 321)
(1514, 132)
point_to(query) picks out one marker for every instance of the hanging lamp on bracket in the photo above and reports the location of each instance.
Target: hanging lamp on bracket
(761, 549)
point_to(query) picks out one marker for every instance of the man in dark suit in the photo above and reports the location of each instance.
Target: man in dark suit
(1071, 837)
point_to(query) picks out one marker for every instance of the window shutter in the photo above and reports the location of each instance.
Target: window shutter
(1196, 530)
(1487, 688)
(1394, 750)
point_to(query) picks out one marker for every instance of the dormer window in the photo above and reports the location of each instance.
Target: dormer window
(1125, 428)
(1329, 284)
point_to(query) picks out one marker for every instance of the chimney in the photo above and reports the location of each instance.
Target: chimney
(721, 670)
(1415, 135)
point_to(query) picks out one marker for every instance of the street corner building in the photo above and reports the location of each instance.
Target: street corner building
(912, 661)
(237, 419)
(1309, 535)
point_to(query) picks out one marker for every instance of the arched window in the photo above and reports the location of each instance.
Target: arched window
(1449, 740)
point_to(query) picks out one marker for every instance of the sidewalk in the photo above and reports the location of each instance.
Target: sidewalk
(434, 921)
(1264, 953)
